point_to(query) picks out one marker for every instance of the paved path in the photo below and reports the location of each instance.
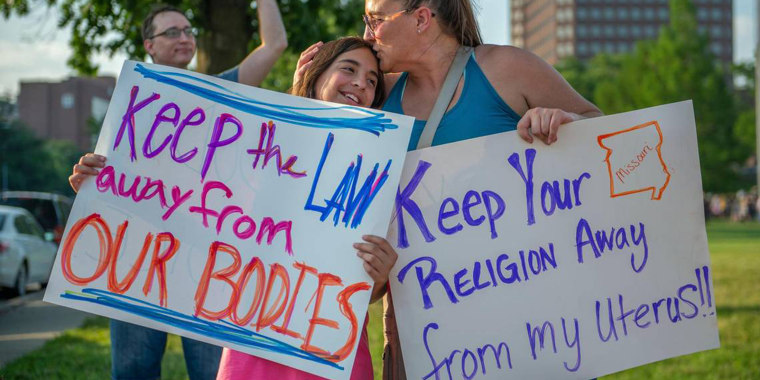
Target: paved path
(27, 322)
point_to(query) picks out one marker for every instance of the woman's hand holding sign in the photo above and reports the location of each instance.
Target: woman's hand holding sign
(379, 257)
(544, 123)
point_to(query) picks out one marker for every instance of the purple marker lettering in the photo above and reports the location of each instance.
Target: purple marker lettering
(189, 120)
(404, 201)
(128, 120)
(160, 118)
(216, 139)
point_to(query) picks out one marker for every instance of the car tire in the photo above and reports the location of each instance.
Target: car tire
(22, 278)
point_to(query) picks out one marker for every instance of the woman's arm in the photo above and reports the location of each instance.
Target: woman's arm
(535, 90)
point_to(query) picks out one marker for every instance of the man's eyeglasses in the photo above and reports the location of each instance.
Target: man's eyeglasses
(373, 22)
(174, 33)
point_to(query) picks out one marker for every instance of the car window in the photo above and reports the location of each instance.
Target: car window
(2, 221)
(21, 225)
(65, 208)
(34, 228)
(43, 210)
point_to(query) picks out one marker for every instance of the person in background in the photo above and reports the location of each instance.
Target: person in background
(169, 39)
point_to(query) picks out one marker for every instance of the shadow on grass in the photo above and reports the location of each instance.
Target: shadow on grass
(720, 229)
(747, 309)
(84, 353)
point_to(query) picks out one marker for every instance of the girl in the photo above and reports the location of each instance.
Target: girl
(343, 71)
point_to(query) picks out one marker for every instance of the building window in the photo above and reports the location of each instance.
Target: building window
(636, 31)
(622, 13)
(581, 13)
(596, 47)
(67, 101)
(650, 31)
(702, 14)
(581, 30)
(649, 13)
(716, 49)
(663, 13)
(622, 31)
(716, 31)
(596, 13)
(636, 13)
(609, 13)
(717, 14)
(609, 31)
(596, 31)
(582, 48)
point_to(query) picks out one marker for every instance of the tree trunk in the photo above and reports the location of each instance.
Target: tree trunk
(227, 31)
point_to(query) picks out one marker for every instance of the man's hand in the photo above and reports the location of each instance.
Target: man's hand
(88, 166)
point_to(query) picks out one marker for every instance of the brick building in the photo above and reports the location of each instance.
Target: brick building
(65, 110)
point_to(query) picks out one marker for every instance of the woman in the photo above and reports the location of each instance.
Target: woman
(343, 71)
(416, 42)
(503, 88)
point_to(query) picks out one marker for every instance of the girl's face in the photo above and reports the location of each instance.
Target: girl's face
(351, 79)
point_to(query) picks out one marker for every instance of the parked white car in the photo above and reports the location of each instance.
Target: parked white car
(26, 252)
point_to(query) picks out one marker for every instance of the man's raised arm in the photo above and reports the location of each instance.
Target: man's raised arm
(255, 67)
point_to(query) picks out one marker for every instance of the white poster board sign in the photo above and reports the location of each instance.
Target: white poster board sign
(571, 261)
(227, 214)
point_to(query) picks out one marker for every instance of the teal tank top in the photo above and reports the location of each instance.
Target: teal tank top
(480, 111)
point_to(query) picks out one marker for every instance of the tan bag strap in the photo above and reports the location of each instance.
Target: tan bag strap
(393, 360)
(444, 96)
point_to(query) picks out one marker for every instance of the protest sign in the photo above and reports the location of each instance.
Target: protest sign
(227, 214)
(576, 260)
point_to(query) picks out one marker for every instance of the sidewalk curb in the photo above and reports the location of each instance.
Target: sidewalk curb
(19, 301)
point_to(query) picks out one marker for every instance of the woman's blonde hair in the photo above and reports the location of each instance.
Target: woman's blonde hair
(455, 17)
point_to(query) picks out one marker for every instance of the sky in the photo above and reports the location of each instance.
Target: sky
(33, 48)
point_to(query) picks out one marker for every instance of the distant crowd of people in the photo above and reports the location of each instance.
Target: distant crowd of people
(742, 206)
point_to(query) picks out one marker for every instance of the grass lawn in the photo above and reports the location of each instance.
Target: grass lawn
(735, 259)
(735, 254)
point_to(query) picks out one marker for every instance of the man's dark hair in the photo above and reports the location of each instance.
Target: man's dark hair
(147, 25)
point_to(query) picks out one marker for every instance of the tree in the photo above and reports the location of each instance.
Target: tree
(745, 129)
(63, 154)
(228, 28)
(33, 164)
(585, 76)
